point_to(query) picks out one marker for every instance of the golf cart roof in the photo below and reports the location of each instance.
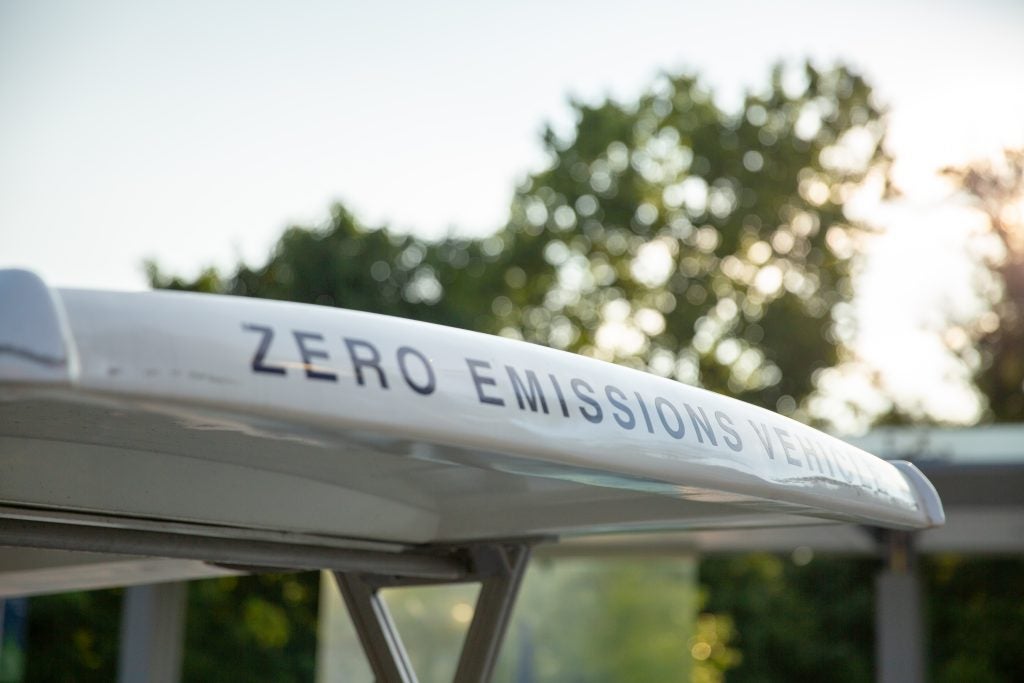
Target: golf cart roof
(233, 418)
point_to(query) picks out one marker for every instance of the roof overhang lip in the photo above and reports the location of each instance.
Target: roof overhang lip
(36, 345)
(925, 491)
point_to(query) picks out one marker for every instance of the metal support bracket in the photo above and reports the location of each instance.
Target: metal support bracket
(498, 567)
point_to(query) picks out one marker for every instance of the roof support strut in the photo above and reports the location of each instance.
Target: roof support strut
(498, 567)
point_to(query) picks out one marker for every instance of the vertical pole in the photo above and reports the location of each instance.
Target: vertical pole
(524, 662)
(13, 618)
(899, 631)
(152, 633)
(3, 618)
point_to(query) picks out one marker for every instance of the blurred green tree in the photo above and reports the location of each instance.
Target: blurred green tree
(976, 618)
(350, 265)
(996, 187)
(252, 628)
(796, 618)
(811, 617)
(73, 637)
(975, 605)
(702, 244)
(974, 609)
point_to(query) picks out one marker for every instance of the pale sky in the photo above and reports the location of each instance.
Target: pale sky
(194, 132)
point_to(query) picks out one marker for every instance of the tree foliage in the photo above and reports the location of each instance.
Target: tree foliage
(73, 637)
(252, 628)
(996, 187)
(795, 620)
(814, 620)
(706, 245)
(350, 265)
(976, 618)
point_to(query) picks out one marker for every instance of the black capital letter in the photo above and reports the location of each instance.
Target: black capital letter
(479, 381)
(787, 446)
(309, 354)
(764, 437)
(617, 398)
(528, 393)
(643, 411)
(431, 383)
(561, 398)
(700, 422)
(258, 364)
(732, 440)
(359, 363)
(679, 430)
(578, 385)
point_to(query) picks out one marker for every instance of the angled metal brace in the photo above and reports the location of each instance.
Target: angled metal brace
(376, 629)
(498, 567)
(493, 610)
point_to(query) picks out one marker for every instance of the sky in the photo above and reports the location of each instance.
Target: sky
(192, 133)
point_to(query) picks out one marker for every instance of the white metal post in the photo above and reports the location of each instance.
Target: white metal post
(899, 631)
(152, 633)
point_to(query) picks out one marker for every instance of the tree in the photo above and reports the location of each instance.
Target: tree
(976, 618)
(252, 628)
(348, 264)
(996, 187)
(705, 245)
(797, 618)
(73, 637)
(973, 609)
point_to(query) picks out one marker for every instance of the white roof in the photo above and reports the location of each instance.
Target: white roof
(186, 411)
